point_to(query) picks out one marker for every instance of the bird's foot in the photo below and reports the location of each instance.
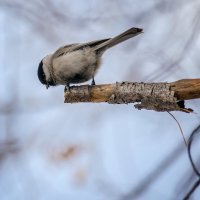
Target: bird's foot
(93, 81)
(67, 88)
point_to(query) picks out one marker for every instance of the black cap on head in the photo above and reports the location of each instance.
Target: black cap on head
(41, 75)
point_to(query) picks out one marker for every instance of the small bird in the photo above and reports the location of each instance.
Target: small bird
(78, 63)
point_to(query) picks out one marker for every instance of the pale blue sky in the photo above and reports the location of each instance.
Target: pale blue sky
(118, 146)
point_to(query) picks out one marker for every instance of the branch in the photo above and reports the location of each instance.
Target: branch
(150, 96)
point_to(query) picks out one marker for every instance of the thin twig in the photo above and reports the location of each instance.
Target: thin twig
(194, 187)
(179, 128)
(197, 183)
(191, 138)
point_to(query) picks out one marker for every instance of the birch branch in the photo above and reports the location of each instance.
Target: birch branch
(150, 96)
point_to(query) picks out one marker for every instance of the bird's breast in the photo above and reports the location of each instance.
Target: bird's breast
(76, 67)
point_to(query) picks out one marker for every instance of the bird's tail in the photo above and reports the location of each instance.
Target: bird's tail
(132, 32)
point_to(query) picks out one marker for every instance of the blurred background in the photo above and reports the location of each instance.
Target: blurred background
(51, 150)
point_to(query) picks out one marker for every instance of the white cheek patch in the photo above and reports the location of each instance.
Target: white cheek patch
(46, 71)
(46, 66)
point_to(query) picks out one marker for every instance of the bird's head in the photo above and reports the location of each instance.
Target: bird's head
(43, 72)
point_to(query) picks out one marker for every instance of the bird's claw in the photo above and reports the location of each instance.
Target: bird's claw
(93, 81)
(67, 88)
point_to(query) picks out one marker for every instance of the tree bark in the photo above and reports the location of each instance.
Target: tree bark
(150, 96)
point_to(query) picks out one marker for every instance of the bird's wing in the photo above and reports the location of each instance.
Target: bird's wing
(73, 47)
(63, 50)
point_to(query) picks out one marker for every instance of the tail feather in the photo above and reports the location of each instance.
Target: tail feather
(132, 32)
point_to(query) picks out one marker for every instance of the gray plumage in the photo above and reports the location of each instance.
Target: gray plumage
(77, 63)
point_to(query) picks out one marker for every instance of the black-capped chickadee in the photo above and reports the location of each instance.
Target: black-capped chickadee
(78, 63)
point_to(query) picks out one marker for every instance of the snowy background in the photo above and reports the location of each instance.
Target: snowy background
(51, 150)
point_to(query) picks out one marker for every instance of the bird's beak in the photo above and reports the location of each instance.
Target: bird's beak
(47, 86)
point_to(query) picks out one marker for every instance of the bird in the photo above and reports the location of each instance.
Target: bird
(79, 62)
